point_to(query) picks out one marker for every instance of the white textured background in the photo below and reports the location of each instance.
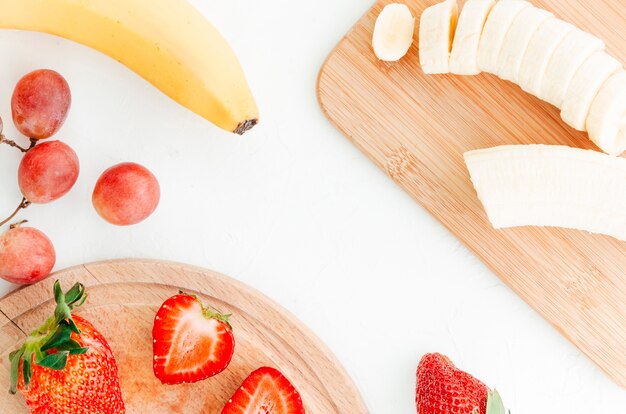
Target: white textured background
(294, 210)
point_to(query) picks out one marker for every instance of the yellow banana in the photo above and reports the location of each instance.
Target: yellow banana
(167, 42)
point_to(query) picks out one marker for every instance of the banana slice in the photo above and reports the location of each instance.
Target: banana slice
(606, 122)
(539, 52)
(437, 27)
(464, 56)
(497, 26)
(393, 32)
(568, 57)
(585, 86)
(517, 40)
(550, 185)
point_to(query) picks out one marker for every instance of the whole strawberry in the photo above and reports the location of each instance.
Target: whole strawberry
(442, 388)
(66, 366)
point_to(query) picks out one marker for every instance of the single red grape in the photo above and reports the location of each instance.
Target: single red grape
(126, 194)
(26, 255)
(47, 172)
(40, 103)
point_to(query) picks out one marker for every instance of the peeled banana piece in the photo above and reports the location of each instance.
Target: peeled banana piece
(464, 56)
(606, 122)
(540, 50)
(437, 28)
(167, 42)
(585, 86)
(517, 40)
(567, 58)
(544, 55)
(393, 32)
(549, 185)
(496, 28)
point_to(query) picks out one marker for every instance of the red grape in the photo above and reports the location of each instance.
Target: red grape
(26, 255)
(40, 103)
(47, 172)
(1, 125)
(126, 194)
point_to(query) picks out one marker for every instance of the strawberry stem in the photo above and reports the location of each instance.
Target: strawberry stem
(209, 312)
(51, 344)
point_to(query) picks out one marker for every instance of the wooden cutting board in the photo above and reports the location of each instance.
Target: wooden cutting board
(123, 299)
(416, 127)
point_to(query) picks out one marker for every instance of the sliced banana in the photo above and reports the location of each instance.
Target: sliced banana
(393, 32)
(436, 33)
(550, 185)
(464, 56)
(585, 86)
(606, 122)
(496, 28)
(517, 40)
(568, 57)
(542, 45)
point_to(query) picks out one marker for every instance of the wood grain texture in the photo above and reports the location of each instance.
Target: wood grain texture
(416, 127)
(123, 299)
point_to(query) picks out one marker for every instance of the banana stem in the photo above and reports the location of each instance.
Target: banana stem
(25, 203)
(11, 143)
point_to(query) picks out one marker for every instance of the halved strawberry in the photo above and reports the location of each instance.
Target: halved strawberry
(191, 342)
(265, 391)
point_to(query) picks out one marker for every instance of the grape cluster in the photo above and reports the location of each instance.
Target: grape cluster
(125, 194)
(39, 106)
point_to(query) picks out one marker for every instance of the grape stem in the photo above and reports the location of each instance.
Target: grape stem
(16, 225)
(25, 203)
(5, 140)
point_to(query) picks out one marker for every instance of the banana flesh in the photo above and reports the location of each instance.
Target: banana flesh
(542, 45)
(167, 42)
(549, 185)
(393, 32)
(545, 56)
(437, 27)
(585, 86)
(517, 40)
(606, 122)
(464, 56)
(567, 58)
(496, 28)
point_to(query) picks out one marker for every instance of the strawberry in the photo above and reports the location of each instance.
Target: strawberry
(265, 391)
(191, 342)
(442, 388)
(66, 366)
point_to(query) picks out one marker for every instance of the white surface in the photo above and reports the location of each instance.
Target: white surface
(296, 211)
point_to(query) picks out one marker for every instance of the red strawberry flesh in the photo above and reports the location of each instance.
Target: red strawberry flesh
(265, 391)
(190, 343)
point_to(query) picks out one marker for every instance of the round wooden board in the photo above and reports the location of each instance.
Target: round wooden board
(123, 299)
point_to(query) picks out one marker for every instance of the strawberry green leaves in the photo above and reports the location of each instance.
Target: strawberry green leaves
(51, 344)
(15, 358)
(56, 361)
(495, 404)
(61, 341)
(66, 302)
